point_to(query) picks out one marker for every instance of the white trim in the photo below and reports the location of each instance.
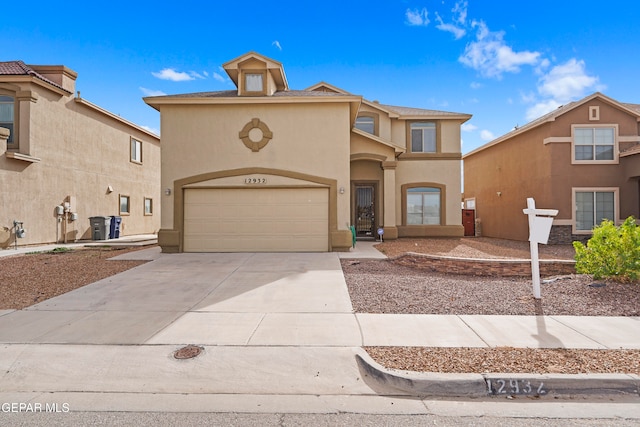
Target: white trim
(553, 139)
(616, 205)
(616, 145)
(594, 113)
(629, 138)
(469, 200)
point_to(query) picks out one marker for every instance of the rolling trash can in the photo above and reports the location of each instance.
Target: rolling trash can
(100, 226)
(114, 228)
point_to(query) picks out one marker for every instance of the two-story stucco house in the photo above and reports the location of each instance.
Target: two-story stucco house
(582, 159)
(64, 160)
(267, 168)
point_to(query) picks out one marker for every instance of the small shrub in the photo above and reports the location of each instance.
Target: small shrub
(60, 250)
(612, 252)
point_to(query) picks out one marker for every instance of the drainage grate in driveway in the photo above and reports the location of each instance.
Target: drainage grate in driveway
(188, 352)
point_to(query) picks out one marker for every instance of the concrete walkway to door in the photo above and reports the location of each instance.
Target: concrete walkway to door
(278, 331)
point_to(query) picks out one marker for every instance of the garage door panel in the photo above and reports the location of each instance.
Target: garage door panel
(256, 220)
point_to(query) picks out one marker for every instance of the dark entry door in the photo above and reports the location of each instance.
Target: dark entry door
(469, 222)
(365, 210)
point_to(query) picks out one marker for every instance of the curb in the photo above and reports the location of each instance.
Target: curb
(421, 384)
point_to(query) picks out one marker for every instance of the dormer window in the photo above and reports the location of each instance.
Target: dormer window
(366, 124)
(253, 82)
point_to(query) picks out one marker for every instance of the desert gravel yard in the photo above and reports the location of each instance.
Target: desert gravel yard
(381, 286)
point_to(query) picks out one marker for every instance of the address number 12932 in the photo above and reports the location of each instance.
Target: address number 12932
(255, 180)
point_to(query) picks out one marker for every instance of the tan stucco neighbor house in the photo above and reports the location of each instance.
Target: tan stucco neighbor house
(582, 159)
(267, 168)
(64, 160)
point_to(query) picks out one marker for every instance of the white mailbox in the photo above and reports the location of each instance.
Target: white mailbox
(540, 222)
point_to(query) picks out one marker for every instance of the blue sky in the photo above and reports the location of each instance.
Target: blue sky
(505, 62)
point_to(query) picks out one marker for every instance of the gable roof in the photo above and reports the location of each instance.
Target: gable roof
(19, 68)
(274, 67)
(633, 109)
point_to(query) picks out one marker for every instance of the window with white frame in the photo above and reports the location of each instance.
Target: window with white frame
(7, 116)
(423, 206)
(423, 137)
(592, 207)
(136, 151)
(594, 143)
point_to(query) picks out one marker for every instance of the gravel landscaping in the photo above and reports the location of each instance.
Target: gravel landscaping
(381, 286)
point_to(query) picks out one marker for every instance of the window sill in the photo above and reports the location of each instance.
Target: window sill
(22, 157)
(430, 156)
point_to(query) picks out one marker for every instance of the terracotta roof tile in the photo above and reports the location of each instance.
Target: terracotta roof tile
(19, 68)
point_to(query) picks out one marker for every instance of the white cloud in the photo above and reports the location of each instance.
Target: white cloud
(417, 17)
(475, 85)
(151, 92)
(196, 75)
(461, 10)
(492, 57)
(218, 77)
(562, 84)
(276, 43)
(542, 108)
(486, 135)
(457, 32)
(150, 129)
(468, 127)
(173, 75)
(206, 74)
(567, 82)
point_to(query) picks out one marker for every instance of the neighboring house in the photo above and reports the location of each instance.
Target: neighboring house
(57, 149)
(266, 168)
(582, 159)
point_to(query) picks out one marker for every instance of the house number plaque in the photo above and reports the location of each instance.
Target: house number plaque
(255, 180)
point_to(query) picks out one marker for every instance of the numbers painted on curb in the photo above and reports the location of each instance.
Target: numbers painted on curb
(515, 387)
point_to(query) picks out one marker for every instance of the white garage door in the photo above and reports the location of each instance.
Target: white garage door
(256, 220)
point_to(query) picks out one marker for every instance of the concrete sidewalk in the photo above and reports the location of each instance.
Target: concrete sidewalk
(278, 333)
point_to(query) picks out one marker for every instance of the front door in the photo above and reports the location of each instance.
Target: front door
(469, 222)
(365, 210)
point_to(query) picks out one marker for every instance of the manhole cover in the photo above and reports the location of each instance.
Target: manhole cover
(188, 352)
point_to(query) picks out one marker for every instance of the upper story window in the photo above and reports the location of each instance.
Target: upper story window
(594, 144)
(254, 82)
(366, 124)
(423, 137)
(7, 116)
(136, 151)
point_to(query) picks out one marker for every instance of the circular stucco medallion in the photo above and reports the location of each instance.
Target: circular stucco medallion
(255, 128)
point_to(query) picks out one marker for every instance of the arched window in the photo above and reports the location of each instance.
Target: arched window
(7, 116)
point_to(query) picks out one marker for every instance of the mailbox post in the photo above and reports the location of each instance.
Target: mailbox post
(540, 221)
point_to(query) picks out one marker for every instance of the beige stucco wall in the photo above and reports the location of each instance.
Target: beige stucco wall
(443, 172)
(82, 151)
(308, 138)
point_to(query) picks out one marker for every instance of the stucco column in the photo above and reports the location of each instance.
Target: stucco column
(389, 220)
(4, 136)
(25, 99)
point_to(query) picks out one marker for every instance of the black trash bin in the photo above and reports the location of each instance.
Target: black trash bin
(114, 229)
(100, 227)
